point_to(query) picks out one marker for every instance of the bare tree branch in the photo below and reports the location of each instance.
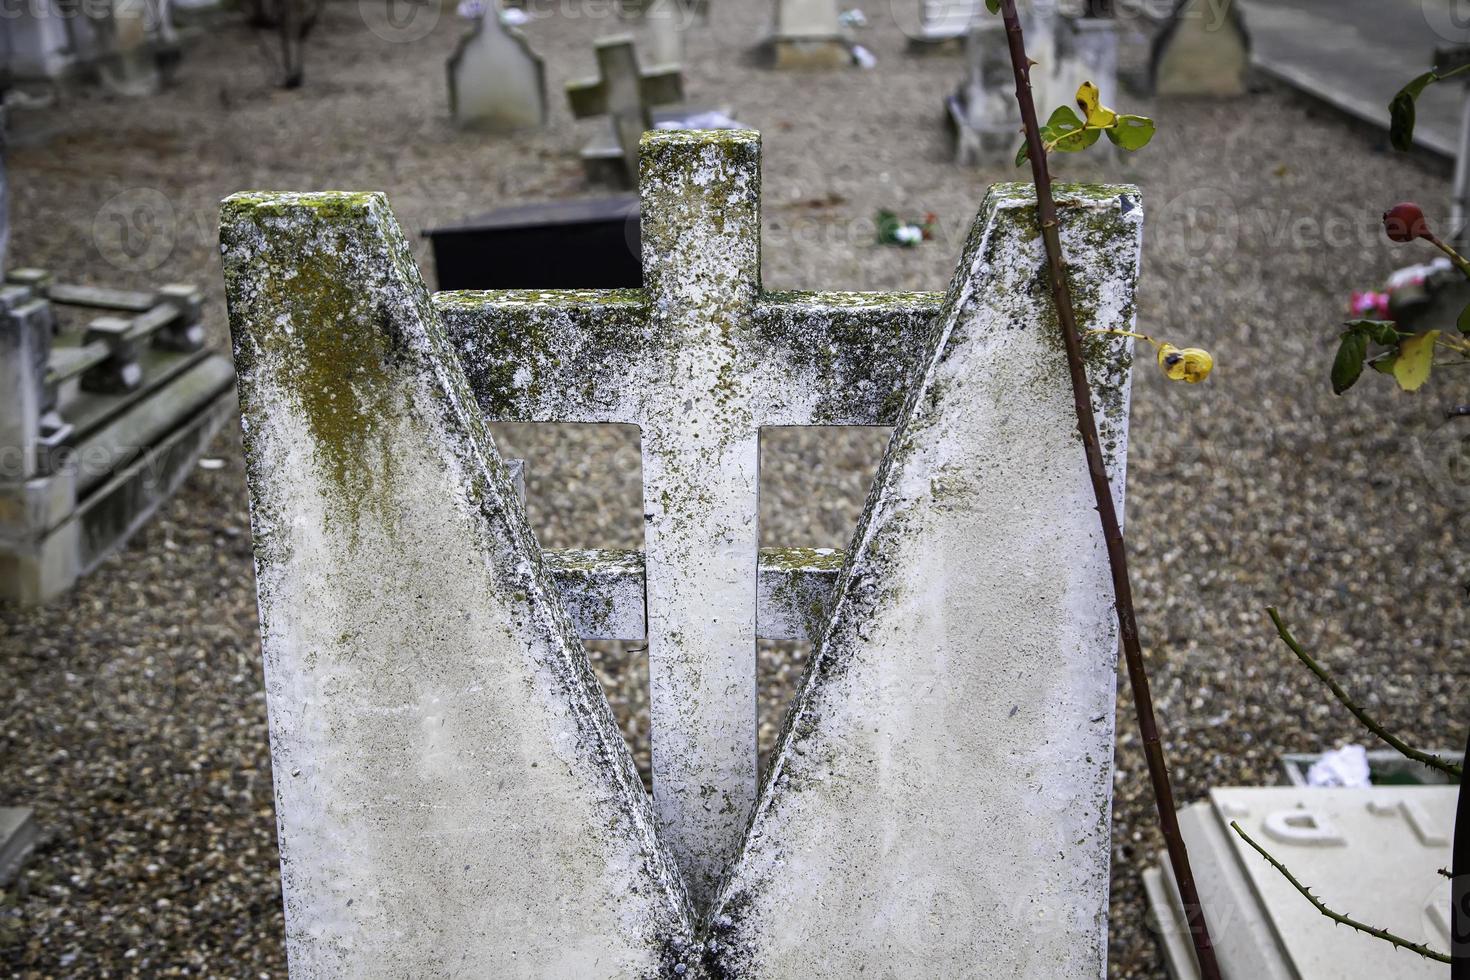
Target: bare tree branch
(1338, 917)
(1402, 747)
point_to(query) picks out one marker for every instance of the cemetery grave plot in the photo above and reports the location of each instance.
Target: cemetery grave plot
(173, 792)
(103, 417)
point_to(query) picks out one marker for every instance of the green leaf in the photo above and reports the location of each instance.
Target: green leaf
(1132, 132)
(1023, 154)
(1064, 120)
(1348, 364)
(1065, 132)
(1463, 323)
(1401, 111)
(1079, 141)
(1384, 362)
(993, 6)
(1382, 332)
(1415, 360)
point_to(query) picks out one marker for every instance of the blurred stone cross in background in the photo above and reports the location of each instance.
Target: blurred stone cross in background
(625, 93)
(452, 789)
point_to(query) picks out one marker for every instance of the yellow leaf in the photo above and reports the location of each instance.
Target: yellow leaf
(1416, 357)
(1095, 114)
(1190, 365)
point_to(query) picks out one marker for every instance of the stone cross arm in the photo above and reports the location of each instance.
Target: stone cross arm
(817, 358)
(621, 84)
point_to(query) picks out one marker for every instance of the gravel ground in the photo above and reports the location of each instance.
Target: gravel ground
(134, 721)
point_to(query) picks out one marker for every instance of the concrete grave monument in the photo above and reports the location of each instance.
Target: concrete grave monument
(496, 82)
(982, 113)
(945, 24)
(124, 43)
(101, 419)
(1372, 853)
(808, 34)
(626, 94)
(584, 243)
(983, 118)
(18, 831)
(452, 790)
(1203, 50)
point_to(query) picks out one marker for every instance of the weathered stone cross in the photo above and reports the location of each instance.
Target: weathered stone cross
(701, 360)
(453, 792)
(626, 93)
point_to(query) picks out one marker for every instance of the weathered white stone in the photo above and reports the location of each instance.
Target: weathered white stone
(965, 680)
(1372, 853)
(452, 791)
(700, 359)
(496, 82)
(939, 802)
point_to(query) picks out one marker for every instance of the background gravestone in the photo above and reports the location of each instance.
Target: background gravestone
(1068, 51)
(664, 23)
(945, 23)
(626, 93)
(496, 82)
(982, 113)
(17, 826)
(1372, 853)
(808, 34)
(1203, 50)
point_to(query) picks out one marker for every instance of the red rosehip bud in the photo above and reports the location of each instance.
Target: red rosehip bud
(1405, 222)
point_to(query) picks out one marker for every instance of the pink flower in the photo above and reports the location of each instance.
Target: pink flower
(1370, 304)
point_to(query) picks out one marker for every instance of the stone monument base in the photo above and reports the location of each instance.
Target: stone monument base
(810, 52)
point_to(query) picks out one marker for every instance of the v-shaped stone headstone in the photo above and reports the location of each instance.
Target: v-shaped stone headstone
(939, 802)
(454, 797)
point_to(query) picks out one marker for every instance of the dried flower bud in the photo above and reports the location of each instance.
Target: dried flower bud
(1191, 365)
(1405, 222)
